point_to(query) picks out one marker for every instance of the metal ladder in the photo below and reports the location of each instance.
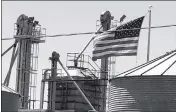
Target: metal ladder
(64, 95)
(33, 75)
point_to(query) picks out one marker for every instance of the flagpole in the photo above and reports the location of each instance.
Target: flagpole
(149, 30)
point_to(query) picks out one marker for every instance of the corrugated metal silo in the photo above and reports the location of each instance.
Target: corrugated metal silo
(10, 100)
(148, 87)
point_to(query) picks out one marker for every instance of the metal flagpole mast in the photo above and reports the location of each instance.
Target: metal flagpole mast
(148, 45)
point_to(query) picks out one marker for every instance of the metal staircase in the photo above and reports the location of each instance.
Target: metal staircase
(85, 65)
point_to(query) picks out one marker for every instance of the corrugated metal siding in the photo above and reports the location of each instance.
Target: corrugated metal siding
(73, 98)
(143, 93)
(32, 110)
(10, 102)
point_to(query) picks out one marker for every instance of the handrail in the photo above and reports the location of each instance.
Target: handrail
(94, 62)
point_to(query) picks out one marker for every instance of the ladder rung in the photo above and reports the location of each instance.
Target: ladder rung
(35, 57)
(25, 82)
(32, 86)
(34, 70)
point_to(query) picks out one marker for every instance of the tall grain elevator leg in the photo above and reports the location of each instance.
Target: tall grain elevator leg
(105, 19)
(104, 75)
(54, 60)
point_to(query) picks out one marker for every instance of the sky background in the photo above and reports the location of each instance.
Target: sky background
(60, 17)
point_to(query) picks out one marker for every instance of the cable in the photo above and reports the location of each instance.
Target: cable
(144, 28)
(25, 36)
(86, 33)
(70, 34)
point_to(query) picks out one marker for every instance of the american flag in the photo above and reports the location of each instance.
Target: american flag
(119, 43)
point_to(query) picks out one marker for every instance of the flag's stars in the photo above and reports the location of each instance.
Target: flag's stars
(123, 33)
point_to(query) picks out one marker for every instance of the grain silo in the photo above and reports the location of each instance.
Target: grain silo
(148, 87)
(11, 100)
(63, 95)
(69, 98)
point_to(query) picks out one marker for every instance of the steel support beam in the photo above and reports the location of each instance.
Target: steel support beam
(23, 71)
(106, 23)
(26, 73)
(42, 90)
(14, 55)
(14, 45)
(52, 85)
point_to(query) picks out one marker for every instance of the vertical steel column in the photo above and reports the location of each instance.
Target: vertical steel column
(52, 84)
(104, 62)
(109, 97)
(20, 68)
(42, 94)
(23, 71)
(27, 72)
(22, 74)
(18, 81)
(42, 89)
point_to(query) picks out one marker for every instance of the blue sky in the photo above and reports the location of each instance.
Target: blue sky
(60, 17)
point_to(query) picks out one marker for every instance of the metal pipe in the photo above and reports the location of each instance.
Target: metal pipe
(14, 55)
(14, 45)
(76, 86)
(148, 47)
(43, 90)
(53, 76)
(87, 44)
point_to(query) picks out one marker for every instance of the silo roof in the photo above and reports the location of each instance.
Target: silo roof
(7, 89)
(163, 65)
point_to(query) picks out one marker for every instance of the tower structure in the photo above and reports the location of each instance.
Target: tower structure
(105, 20)
(25, 49)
